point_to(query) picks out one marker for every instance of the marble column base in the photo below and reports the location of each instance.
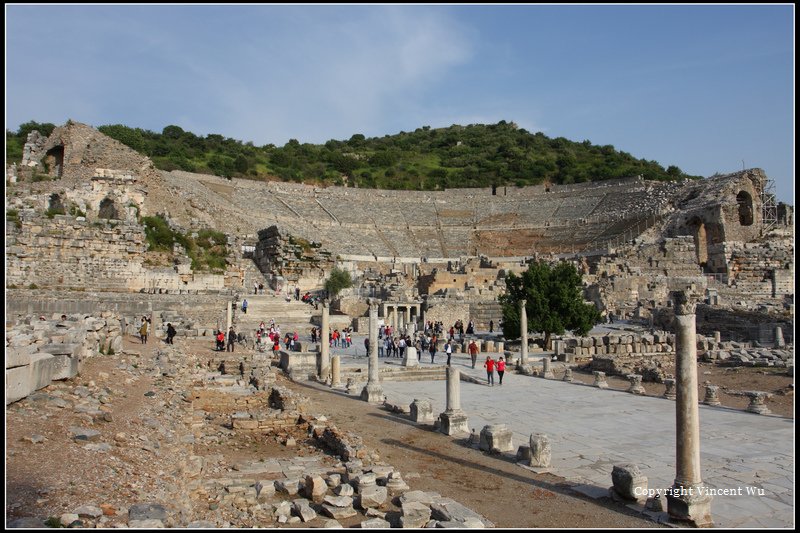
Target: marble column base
(453, 422)
(373, 393)
(692, 506)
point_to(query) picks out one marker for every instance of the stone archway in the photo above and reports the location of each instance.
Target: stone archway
(700, 240)
(56, 206)
(745, 204)
(108, 209)
(54, 161)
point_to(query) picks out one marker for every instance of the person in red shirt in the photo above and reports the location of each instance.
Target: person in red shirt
(489, 365)
(501, 368)
(473, 352)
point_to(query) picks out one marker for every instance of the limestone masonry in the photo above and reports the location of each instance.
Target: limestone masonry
(442, 254)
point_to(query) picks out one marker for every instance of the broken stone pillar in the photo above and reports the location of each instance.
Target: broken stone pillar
(325, 347)
(410, 358)
(421, 411)
(636, 384)
(600, 379)
(779, 342)
(711, 395)
(496, 439)
(499, 345)
(154, 329)
(540, 450)
(453, 420)
(717, 337)
(568, 374)
(688, 500)
(336, 378)
(228, 317)
(757, 405)
(547, 372)
(523, 326)
(373, 392)
(669, 392)
(629, 483)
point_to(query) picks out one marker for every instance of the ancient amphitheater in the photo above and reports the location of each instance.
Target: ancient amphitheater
(438, 256)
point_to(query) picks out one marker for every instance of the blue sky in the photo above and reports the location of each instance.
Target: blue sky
(700, 87)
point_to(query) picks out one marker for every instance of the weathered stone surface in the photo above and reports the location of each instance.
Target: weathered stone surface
(414, 515)
(375, 523)
(629, 482)
(26, 522)
(372, 496)
(344, 490)
(315, 488)
(448, 510)
(84, 435)
(303, 509)
(289, 486)
(146, 524)
(339, 513)
(496, 438)
(421, 411)
(67, 518)
(147, 511)
(540, 451)
(420, 496)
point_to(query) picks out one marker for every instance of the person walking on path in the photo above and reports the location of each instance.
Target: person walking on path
(448, 349)
(501, 368)
(255, 288)
(170, 333)
(244, 306)
(143, 330)
(433, 351)
(489, 365)
(491, 326)
(473, 352)
(231, 339)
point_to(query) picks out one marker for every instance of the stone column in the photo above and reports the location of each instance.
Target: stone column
(547, 372)
(600, 379)
(636, 384)
(568, 374)
(228, 318)
(336, 379)
(757, 405)
(325, 347)
(779, 342)
(453, 420)
(669, 392)
(712, 397)
(523, 326)
(717, 337)
(395, 310)
(408, 315)
(687, 501)
(373, 392)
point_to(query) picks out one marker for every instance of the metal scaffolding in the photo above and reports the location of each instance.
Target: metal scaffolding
(769, 209)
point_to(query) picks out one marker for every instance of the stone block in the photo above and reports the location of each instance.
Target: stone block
(540, 450)
(453, 423)
(629, 483)
(496, 439)
(414, 515)
(421, 411)
(66, 367)
(18, 356)
(18, 383)
(373, 496)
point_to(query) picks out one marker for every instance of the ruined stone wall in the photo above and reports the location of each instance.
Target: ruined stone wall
(735, 324)
(446, 311)
(40, 350)
(201, 312)
(291, 260)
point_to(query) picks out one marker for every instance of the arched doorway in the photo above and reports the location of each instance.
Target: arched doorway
(108, 209)
(54, 160)
(700, 240)
(745, 204)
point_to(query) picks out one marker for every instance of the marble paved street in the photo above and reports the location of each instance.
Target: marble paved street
(591, 429)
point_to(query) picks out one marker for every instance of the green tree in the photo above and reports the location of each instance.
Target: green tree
(554, 301)
(338, 280)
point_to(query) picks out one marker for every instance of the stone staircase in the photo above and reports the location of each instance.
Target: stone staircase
(482, 312)
(290, 316)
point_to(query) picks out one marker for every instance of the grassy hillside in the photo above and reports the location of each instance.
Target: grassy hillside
(477, 155)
